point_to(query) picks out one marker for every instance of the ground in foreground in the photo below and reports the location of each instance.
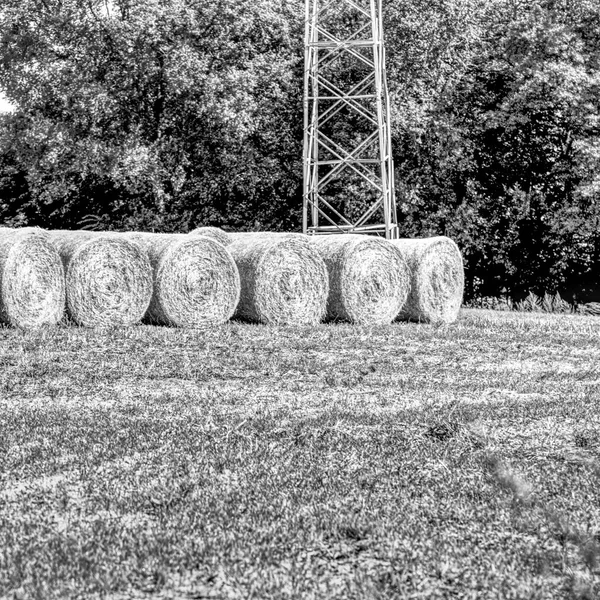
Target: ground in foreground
(407, 461)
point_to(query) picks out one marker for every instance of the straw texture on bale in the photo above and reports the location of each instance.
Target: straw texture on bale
(38, 230)
(368, 278)
(32, 279)
(284, 280)
(196, 281)
(437, 279)
(108, 279)
(213, 233)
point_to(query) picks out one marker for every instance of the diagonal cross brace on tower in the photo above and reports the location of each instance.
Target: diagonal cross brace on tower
(348, 169)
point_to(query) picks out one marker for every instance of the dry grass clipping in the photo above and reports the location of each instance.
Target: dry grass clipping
(196, 281)
(32, 279)
(108, 280)
(369, 279)
(213, 233)
(437, 279)
(284, 280)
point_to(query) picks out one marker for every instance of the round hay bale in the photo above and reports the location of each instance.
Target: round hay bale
(108, 279)
(369, 279)
(284, 280)
(437, 279)
(38, 230)
(32, 280)
(214, 233)
(196, 281)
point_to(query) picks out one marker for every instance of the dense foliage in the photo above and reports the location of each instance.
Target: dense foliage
(164, 114)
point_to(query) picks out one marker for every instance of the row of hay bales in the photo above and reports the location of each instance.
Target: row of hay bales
(209, 276)
(371, 280)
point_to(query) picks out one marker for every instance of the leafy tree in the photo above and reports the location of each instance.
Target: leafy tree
(163, 114)
(506, 158)
(152, 113)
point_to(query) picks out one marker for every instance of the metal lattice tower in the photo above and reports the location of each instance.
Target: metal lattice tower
(348, 168)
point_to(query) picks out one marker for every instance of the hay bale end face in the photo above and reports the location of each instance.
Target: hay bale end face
(284, 280)
(368, 278)
(213, 233)
(108, 279)
(32, 279)
(437, 279)
(196, 281)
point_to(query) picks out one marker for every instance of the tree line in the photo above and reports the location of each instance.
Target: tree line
(166, 114)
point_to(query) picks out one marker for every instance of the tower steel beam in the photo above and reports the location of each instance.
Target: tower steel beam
(348, 171)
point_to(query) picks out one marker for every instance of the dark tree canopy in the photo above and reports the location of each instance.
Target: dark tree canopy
(166, 114)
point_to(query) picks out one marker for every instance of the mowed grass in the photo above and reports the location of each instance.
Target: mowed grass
(406, 461)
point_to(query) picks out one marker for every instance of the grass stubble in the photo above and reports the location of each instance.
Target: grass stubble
(252, 461)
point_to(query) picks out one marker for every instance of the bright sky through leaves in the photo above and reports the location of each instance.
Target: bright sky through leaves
(5, 105)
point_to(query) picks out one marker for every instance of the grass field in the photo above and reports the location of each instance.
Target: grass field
(406, 461)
